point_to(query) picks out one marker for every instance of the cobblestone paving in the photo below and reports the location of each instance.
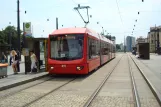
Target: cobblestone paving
(14, 90)
(150, 73)
(74, 94)
(77, 92)
(61, 99)
(117, 91)
(147, 99)
(148, 102)
(19, 99)
(110, 101)
(26, 96)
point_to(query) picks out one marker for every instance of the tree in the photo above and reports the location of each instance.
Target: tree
(2, 36)
(9, 36)
(118, 47)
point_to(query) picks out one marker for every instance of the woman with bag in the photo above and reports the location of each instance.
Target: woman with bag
(14, 61)
(33, 62)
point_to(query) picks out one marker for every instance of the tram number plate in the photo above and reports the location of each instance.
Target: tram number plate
(63, 66)
(62, 55)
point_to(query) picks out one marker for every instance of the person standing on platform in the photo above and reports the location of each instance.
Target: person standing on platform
(33, 62)
(10, 60)
(14, 61)
(18, 61)
(4, 58)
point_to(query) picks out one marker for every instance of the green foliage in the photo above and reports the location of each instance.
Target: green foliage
(1, 37)
(10, 32)
(118, 47)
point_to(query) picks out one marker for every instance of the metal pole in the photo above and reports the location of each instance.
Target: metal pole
(103, 30)
(158, 41)
(10, 34)
(56, 23)
(24, 46)
(155, 38)
(18, 25)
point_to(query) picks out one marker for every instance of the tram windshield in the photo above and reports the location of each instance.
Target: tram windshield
(67, 47)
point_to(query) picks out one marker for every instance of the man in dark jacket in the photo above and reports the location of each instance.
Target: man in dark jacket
(18, 62)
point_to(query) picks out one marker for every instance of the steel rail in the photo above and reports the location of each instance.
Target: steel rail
(39, 98)
(91, 98)
(153, 89)
(134, 88)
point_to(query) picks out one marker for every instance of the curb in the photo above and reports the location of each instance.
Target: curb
(155, 92)
(22, 82)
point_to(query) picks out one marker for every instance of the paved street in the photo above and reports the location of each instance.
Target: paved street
(154, 64)
(151, 70)
(74, 91)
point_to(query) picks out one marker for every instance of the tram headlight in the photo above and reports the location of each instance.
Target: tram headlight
(51, 68)
(79, 68)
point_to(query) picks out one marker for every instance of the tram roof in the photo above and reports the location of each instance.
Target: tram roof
(76, 30)
(103, 38)
(79, 30)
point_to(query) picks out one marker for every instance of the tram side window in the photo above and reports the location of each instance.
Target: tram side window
(113, 49)
(108, 49)
(104, 48)
(98, 48)
(93, 48)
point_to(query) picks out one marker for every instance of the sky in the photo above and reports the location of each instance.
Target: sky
(117, 17)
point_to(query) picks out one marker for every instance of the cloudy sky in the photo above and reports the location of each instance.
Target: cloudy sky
(116, 16)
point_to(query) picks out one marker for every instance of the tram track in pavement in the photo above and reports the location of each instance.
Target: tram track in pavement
(39, 98)
(134, 87)
(95, 93)
(150, 85)
(12, 91)
(58, 86)
(137, 101)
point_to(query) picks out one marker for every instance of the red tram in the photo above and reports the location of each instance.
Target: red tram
(77, 51)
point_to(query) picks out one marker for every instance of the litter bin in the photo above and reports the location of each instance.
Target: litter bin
(3, 70)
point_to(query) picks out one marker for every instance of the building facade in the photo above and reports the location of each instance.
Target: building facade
(130, 43)
(154, 38)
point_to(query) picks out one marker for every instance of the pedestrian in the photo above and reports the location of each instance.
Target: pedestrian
(10, 58)
(4, 58)
(14, 61)
(33, 62)
(18, 61)
(18, 53)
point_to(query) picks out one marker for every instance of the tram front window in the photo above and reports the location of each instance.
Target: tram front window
(67, 47)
